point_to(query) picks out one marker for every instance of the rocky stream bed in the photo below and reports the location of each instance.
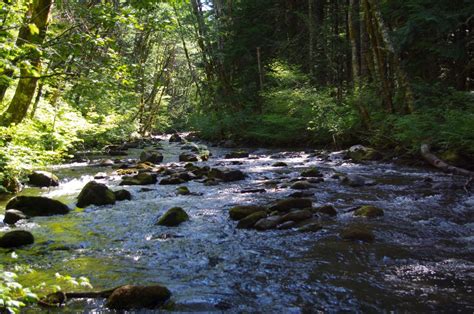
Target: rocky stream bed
(258, 230)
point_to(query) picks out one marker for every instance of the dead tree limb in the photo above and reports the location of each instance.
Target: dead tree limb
(440, 164)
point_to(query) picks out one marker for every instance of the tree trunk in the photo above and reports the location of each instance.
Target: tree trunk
(438, 163)
(379, 55)
(399, 71)
(18, 108)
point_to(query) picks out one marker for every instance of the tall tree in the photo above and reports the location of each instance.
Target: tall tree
(32, 33)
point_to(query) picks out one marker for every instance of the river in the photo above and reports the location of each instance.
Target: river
(422, 258)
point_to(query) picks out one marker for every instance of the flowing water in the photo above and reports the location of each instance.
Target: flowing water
(422, 258)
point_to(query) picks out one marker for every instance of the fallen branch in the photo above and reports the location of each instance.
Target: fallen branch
(438, 163)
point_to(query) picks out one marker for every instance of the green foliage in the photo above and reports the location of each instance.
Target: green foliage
(443, 118)
(14, 295)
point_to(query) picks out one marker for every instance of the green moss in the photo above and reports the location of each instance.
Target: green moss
(369, 211)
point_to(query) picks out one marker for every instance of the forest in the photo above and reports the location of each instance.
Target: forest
(107, 90)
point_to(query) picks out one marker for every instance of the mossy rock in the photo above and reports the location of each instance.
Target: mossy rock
(355, 233)
(240, 212)
(268, 223)
(13, 215)
(138, 297)
(186, 157)
(310, 227)
(94, 193)
(43, 179)
(369, 211)
(173, 217)
(151, 156)
(37, 206)
(311, 173)
(175, 138)
(140, 179)
(297, 215)
(171, 181)
(359, 153)
(326, 209)
(291, 203)
(183, 190)
(122, 195)
(16, 238)
(249, 221)
(237, 154)
(301, 185)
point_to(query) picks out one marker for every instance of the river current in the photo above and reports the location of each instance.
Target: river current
(422, 258)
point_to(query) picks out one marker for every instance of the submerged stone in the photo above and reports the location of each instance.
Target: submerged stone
(357, 234)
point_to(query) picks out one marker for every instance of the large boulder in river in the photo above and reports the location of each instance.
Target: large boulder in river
(138, 297)
(13, 215)
(359, 153)
(292, 203)
(175, 138)
(173, 217)
(240, 212)
(369, 211)
(37, 206)
(154, 157)
(43, 179)
(16, 238)
(140, 179)
(94, 193)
